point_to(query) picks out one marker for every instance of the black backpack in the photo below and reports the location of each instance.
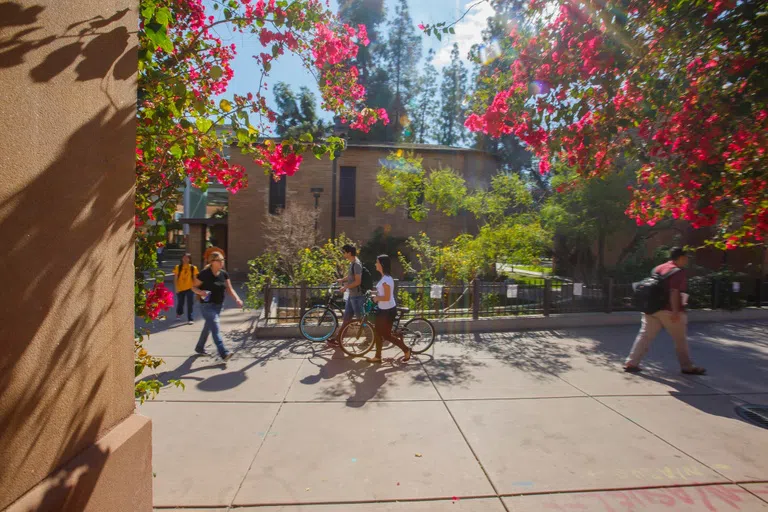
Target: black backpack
(650, 294)
(366, 279)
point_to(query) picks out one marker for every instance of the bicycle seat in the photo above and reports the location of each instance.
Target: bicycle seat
(403, 311)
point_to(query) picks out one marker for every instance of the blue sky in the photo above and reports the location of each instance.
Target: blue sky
(289, 68)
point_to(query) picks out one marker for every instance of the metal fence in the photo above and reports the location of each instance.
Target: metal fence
(531, 296)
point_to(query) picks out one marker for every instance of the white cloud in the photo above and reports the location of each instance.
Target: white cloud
(469, 31)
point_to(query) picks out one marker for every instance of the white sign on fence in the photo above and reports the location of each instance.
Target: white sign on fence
(736, 287)
(578, 289)
(511, 291)
(435, 291)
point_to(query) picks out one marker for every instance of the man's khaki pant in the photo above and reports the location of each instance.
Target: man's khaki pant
(649, 329)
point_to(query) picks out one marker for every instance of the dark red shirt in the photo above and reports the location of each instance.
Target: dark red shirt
(679, 281)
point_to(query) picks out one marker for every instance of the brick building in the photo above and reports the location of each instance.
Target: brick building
(355, 213)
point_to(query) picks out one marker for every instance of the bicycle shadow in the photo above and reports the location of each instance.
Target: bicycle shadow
(363, 381)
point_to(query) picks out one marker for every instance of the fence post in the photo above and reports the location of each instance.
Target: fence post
(609, 295)
(759, 292)
(547, 295)
(475, 300)
(267, 300)
(302, 299)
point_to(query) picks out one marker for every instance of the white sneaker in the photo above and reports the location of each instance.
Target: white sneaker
(190, 322)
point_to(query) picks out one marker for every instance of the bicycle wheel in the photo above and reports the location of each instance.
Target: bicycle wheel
(357, 338)
(318, 324)
(418, 335)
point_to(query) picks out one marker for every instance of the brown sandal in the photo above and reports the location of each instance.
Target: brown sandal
(407, 358)
(375, 360)
(694, 370)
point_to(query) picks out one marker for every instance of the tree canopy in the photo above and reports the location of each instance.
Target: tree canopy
(678, 87)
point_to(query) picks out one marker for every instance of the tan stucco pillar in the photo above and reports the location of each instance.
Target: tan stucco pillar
(196, 244)
(69, 435)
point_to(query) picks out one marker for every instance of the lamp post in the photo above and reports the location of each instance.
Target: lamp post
(316, 191)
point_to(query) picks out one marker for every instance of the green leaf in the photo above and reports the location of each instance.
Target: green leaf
(148, 11)
(180, 90)
(306, 137)
(216, 72)
(225, 105)
(159, 38)
(267, 66)
(227, 13)
(451, 30)
(203, 124)
(200, 106)
(176, 151)
(163, 16)
(242, 135)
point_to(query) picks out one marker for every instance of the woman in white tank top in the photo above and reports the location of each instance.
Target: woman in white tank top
(385, 314)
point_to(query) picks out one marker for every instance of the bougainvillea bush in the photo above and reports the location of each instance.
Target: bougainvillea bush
(184, 68)
(676, 88)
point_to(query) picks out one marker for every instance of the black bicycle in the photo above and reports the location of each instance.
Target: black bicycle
(320, 322)
(359, 336)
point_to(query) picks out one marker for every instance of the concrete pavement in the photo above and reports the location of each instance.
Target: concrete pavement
(524, 421)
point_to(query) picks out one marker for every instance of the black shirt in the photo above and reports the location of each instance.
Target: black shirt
(217, 285)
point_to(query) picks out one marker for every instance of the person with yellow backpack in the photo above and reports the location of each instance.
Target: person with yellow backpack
(184, 275)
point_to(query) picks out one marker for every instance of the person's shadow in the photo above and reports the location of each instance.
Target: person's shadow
(231, 379)
(184, 372)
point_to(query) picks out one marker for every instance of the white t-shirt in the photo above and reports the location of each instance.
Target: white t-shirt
(380, 292)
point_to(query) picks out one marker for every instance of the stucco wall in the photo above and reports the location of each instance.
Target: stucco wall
(67, 118)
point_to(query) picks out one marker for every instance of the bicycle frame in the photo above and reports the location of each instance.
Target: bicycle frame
(370, 310)
(333, 304)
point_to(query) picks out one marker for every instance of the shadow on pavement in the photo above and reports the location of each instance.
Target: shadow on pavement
(184, 371)
(727, 350)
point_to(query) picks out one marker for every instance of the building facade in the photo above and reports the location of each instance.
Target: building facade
(354, 211)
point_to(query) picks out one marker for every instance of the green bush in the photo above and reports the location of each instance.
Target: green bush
(701, 290)
(489, 301)
(405, 299)
(314, 266)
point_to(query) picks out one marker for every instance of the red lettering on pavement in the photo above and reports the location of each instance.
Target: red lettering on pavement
(712, 498)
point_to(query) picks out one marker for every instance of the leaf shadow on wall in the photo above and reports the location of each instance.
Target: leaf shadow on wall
(94, 50)
(57, 397)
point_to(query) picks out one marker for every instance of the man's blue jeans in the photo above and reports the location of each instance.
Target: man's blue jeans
(211, 314)
(354, 307)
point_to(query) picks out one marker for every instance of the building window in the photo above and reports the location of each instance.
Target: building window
(276, 195)
(347, 180)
